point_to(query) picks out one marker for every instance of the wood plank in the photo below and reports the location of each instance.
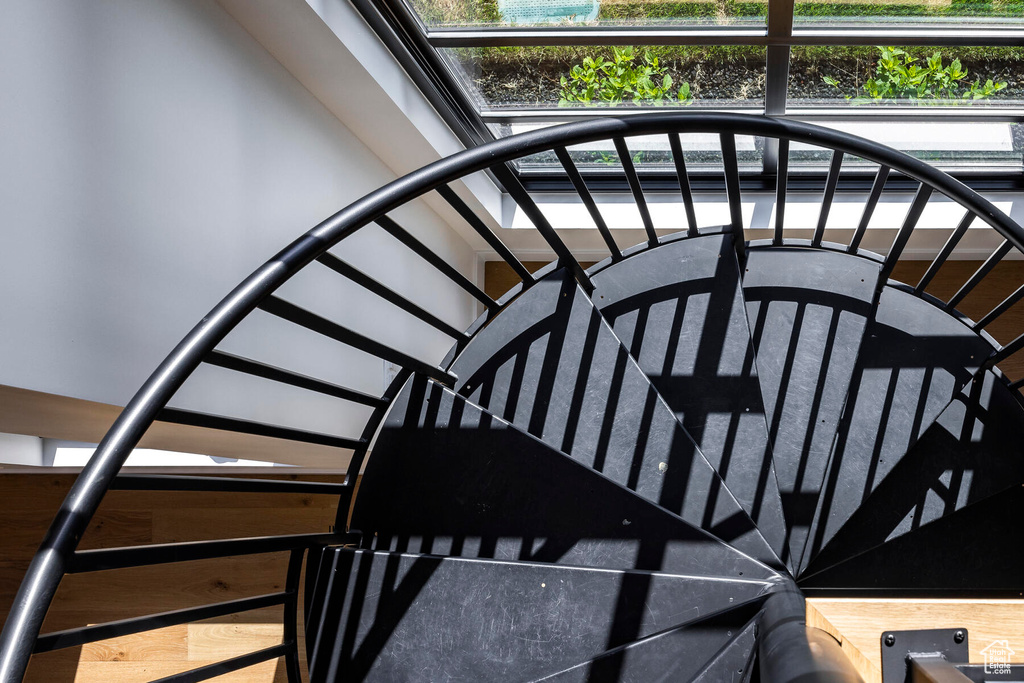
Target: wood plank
(173, 525)
(214, 642)
(867, 669)
(860, 623)
(164, 644)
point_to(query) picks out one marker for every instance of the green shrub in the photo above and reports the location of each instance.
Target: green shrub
(900, 76)
(626, 76)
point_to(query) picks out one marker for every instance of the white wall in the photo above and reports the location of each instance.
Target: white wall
(152, 154)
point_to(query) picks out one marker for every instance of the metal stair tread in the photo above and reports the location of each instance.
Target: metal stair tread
(472, 484)
(552, 366)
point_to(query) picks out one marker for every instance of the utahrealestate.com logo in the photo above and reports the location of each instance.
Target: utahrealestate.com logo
(998, 656)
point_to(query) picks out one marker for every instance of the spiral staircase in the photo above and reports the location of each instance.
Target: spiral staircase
(632, 472)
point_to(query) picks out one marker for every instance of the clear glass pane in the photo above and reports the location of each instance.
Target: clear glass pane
(949, 145)
(909, 76)
(701, 151)
(919, 12)
(510, 13)
(670, 76)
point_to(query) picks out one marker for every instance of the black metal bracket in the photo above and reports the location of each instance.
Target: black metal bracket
(899, 646)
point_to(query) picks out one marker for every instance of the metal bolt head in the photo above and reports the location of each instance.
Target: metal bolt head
(958, 636)
(890, 640)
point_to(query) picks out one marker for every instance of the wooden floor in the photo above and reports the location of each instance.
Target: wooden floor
(129, 517)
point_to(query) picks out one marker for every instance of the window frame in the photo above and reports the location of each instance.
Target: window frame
(416, 47)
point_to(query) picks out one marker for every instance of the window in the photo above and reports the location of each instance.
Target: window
(940, 79)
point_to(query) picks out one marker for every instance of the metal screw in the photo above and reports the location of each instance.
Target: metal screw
(890, 640)
(958, 636)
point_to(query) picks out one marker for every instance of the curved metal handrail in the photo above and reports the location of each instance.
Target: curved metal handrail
(51, 562)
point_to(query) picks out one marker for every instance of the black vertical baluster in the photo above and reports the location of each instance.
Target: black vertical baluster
(588, 201)
(991, 262)
(903, 236)
(732, 189)
(826, 198)
(521, 197)
(1000, 309)
(684, 183)
(291, 616)
(869, 208)
(946, 250)
(781, 181)
(481, 229)
(638, 192)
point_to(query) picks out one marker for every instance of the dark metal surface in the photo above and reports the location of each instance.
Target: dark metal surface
(913, 361)
(113, 629)
(257, 369)
(991, 262)
(177, 482)
(233, 424)
(881, 176)
(808, 311)
(732, 193)
(899, 648)
(478, 225)
(790, 651)
(932, 669)
(831, 181)
(679, 310)
(552, 366)
(136, 556)
(638, 192)
(442, 266)
(315, 323)
(679, 654)
(970, 551)
(683, 178)
(227, 666)
(530, 209)
(906, 230)
(447, 477)
(947, 249)
(737, 661)
(588, 201)
(971, 452)
(389, 616)
(363, 280)
(781, 186)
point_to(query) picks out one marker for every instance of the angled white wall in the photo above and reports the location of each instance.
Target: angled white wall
(152, 154)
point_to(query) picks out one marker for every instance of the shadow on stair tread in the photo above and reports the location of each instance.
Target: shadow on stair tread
(913, 362)
(449, 478)
(679, 654)
(971, 452)
(392, 616)
(975, 548)
(808, 310)
(552, 366)
(679, 310)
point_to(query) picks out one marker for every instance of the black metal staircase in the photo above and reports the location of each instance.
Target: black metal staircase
(626, 473)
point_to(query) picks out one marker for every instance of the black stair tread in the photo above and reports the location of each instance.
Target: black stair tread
(552, 366)
(808, 309)
(400, 616)
(976, 548)
(678, 654)
(679, 310)
(972, 451)
(447, 477)
(735, 663)
(913, 361)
